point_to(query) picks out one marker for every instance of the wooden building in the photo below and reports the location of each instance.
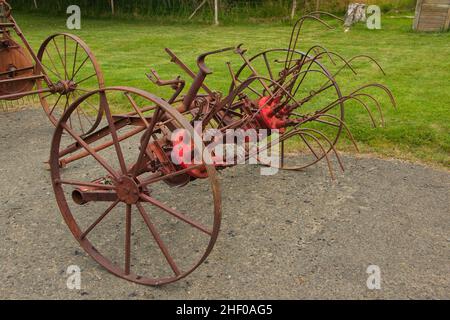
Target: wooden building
(432, 15)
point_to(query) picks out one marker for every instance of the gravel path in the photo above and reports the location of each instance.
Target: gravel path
(293, 235)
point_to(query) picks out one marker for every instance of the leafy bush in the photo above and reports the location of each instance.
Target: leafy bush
(230, 9)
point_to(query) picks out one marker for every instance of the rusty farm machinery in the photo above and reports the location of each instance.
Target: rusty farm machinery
(140, 207)
(63, 69)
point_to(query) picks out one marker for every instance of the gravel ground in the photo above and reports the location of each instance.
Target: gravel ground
(289, 236)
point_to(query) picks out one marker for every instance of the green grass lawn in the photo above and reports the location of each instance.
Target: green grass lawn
(417, 67)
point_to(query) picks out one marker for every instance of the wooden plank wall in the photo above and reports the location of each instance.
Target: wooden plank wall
(432, 15)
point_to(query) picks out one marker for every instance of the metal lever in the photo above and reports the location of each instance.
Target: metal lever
(176, 84)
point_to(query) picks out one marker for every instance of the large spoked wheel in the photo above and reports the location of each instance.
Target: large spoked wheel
(137, 213)
(314, 88)
(73, 71)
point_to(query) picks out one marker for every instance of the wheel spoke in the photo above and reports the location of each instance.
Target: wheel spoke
(136, 108)
(65, 57)
(79, 68)
(87, 101)
(105, 106)
(49, 69)
(79, 119)
(176, 214)
(54, 106)
(146, 139)
(309, 146)
(99, 219)
(86, 79)
(74, 60)
(158, 239)
(54, 66)
(268, 65)
(91, 151)
(88, 118)
(61, 58)
(128, 240)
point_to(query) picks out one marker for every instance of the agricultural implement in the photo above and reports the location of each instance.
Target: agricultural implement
(63, 69)
(127, 179)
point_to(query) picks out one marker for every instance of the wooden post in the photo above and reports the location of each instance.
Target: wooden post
(417, 16)
(112, 7)
(317, 8)
(447, 22)
(294, 8)
(216, 12)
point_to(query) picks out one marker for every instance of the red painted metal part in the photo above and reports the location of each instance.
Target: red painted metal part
(267, 117)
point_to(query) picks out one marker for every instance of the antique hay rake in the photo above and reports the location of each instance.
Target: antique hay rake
(118, 175)
(63, 69)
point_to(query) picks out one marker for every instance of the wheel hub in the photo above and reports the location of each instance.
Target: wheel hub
(65, 86)
(127, 190)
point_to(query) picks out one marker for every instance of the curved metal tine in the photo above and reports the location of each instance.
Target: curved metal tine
(311, 62)
(370, 58)
(384, 88)
(292, 43)
(351, 60)
(377, 103)
(330, 167)
(349, 133)
(367, 109)
(330, 143)
(306, 55)
(329, 107)
(327, 14)
(303, 79)
(329, 53)
(317, 46)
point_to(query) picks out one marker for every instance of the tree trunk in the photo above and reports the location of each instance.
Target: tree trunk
(216, 12)
(294, 8)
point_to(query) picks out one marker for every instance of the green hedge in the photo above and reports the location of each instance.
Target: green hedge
(230, 9)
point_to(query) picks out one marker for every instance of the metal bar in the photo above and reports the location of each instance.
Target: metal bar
(186, 69)
(21, 79)
(23, 94)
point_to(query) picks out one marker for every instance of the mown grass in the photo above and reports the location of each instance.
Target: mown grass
(417, 67)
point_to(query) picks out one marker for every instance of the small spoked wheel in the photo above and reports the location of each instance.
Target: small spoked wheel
(74, 71)
(124, 200)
